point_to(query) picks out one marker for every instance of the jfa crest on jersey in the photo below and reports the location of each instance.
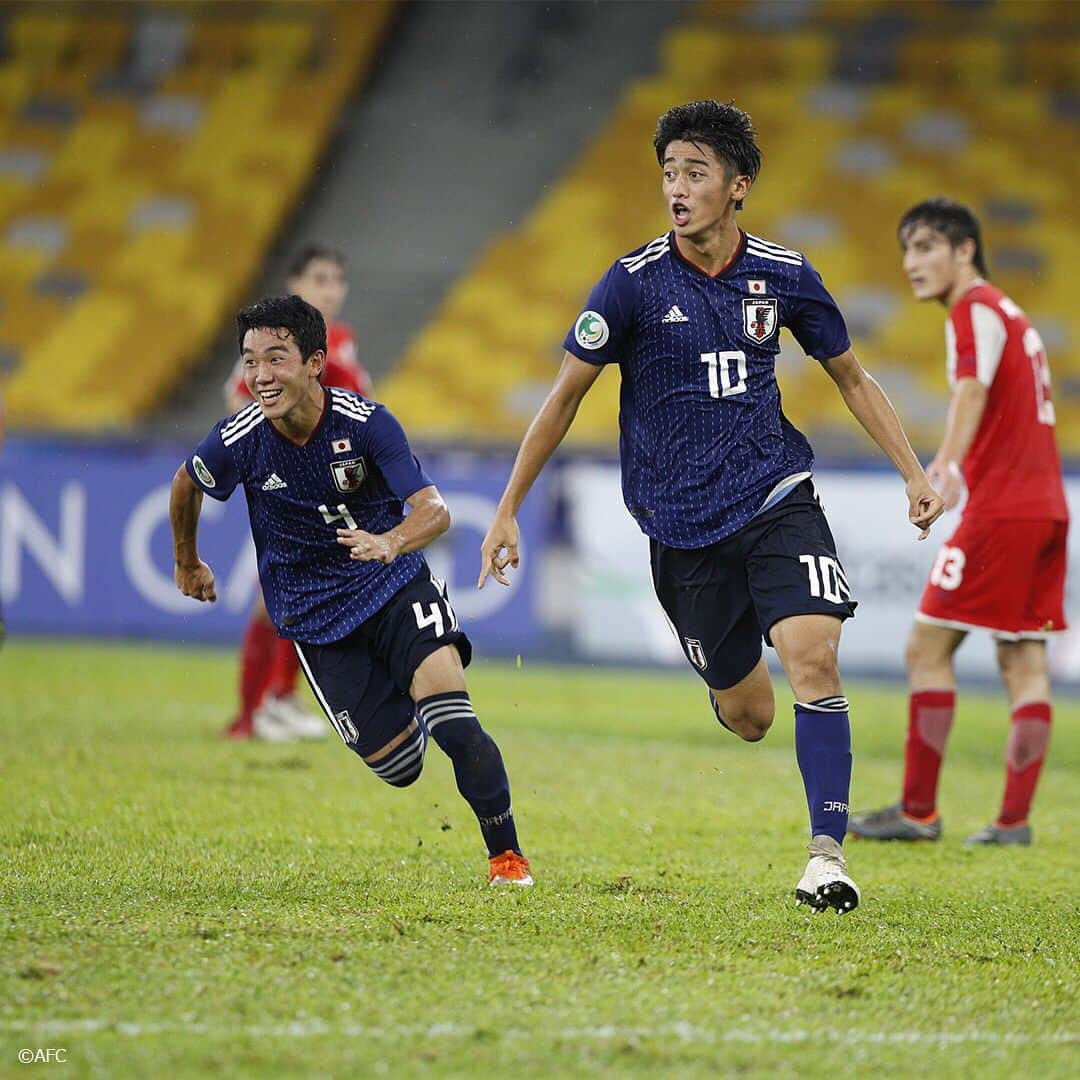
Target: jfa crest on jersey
(355, 472)
(703, 439)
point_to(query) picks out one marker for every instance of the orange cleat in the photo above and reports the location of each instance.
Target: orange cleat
(509, 868)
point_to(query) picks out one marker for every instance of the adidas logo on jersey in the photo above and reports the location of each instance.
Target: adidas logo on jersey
(674, 315)
(274, 483)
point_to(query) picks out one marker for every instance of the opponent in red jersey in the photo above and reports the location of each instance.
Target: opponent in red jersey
(268, 664)
(1003, 569)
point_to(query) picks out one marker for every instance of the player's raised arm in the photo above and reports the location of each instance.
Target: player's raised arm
(547, 430)
(193, 577)
(869, 405)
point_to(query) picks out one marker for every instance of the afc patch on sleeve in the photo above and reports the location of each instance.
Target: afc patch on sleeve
(591, 330)
(202, 472)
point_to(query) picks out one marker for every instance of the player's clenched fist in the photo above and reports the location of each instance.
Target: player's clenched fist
(196, 581)
(368, 547)
(925, 505)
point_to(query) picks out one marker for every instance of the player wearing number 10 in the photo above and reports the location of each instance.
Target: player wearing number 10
(712, 470)
(325, 473)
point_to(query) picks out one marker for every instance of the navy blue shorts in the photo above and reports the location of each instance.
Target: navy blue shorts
(362, 681)
(724, 598)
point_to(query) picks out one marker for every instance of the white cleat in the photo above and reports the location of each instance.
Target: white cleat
(825, 883)
(269, 725)
(288, 712)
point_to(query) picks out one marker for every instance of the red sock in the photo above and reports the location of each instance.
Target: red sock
(256, 654)
(1029, 736)
(284, 667)
(930, 717)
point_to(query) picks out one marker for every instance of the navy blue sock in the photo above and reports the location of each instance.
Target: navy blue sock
(823, 750)
(478, 766)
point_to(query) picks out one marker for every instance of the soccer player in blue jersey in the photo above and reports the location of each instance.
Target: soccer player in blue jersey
(326, 473)
(712, 470)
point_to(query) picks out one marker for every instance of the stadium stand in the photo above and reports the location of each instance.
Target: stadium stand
(148, 156)
(862, 109)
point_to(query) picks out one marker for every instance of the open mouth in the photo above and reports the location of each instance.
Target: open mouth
(680, 213)
(268, 396)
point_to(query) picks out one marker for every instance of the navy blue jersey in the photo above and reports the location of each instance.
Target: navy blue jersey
(354, 471)
(703, 438)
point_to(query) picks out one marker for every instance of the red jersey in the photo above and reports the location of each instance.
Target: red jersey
(1012, 468)
(342, 367)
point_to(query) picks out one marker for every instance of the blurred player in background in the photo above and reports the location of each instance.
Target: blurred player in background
(268, 664)
(1003, 569)
(326, 473)
(712, 470)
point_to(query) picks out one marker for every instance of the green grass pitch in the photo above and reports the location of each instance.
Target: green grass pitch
(175, 905)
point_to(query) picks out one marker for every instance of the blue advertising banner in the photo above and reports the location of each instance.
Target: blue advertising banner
(85, 547)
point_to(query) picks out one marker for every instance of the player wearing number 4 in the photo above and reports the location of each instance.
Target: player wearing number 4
(325, 473)
(1003, 570)
(713, 472)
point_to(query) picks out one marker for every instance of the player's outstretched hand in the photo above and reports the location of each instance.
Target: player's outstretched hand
(499, 550)
(948, 479)
(196, 581)
(369, 547)
(925, 505)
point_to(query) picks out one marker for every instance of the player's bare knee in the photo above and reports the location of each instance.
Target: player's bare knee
(917, 654)
(815, 666)
(1010, 658)
(754, 729)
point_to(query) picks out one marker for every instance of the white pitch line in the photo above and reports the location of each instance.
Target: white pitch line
(685, 1033)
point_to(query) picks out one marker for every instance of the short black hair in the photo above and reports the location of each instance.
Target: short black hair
(953, 220)
(304, 323)
(724, 129)
(299, 263)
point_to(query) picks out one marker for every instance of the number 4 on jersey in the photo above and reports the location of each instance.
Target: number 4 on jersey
(434, 616)
(341, 514)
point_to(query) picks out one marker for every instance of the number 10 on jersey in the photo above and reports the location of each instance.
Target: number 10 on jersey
(721, 365)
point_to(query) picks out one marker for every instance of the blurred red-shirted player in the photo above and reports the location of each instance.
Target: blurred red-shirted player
(1003, 569)
(268, 664)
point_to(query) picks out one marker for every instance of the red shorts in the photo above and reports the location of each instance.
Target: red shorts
(1000, 575)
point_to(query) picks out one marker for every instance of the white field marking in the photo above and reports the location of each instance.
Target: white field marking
(684, 1032)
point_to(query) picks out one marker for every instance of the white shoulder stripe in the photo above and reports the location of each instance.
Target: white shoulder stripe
(633, 268)
(769, 245)
(239, 432)
(240, 418)
(659, 244)
(650, 245)
(760, 253)
(356, 404)
(362, 418)
(343, 397)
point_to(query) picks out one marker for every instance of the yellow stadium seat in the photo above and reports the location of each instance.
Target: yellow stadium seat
(40, 38)
(93, 149)
(1052, 63)
(280, 44)
(932, 59)
(67, 359)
